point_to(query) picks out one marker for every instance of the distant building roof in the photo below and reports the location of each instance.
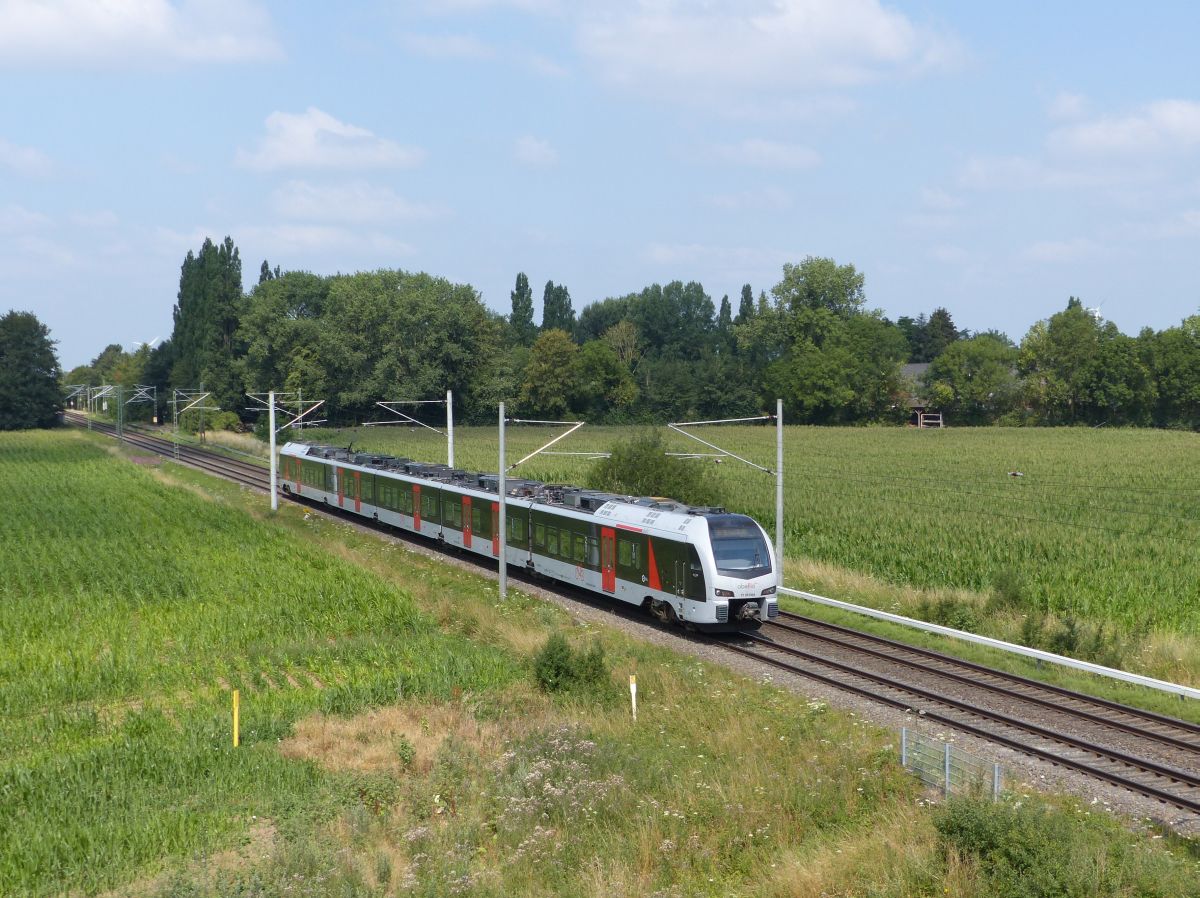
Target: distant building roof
(916, 370)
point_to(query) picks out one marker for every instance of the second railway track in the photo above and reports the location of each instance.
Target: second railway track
(1147, 753)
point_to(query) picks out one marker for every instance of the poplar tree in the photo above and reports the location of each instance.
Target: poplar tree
(521, 320)
(206, 321)
(557, 313)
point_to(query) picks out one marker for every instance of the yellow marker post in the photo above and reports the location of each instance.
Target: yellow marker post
(236, 704)
(633, 694)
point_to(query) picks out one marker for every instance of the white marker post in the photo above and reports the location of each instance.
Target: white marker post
(779, 486)
(633, 694)
(450, 428)
(274, 460)
(501, 518)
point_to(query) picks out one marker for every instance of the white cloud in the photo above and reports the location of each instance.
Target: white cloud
(447, 46)
(101, 220)
(1161, 126)
(769, 154)
(1054, 251)
(727, 47)
(939, 200)
(279, 240)
(356, 201)
(534, 151)
(126, 33)
(1067, 106)
(315, 139)
(771, 199)
(949, 254)
(16, 219)
(738, 258)
(23, 160)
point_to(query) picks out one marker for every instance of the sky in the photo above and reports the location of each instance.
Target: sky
(993, 159)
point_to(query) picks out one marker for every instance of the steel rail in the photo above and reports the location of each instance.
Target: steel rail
(1007, 691)
(1117, 779)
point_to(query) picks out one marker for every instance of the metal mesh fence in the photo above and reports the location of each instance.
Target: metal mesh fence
(947, 767)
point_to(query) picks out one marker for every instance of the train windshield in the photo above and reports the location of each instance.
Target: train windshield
(738, 546)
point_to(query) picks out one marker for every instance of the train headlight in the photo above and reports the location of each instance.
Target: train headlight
(724, 593)
(769, 591)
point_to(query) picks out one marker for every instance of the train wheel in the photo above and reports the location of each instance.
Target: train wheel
(663, 611)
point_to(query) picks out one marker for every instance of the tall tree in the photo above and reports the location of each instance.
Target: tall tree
(821, 285)
(940, 333)
(557, 313)
(265, 273)
(725, 325)
(206, 321)
(30, 392)
(521, 320)
(745, 306)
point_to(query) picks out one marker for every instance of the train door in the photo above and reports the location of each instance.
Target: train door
(466, 518)
(608, 559)
(417, 507)
(496, 529)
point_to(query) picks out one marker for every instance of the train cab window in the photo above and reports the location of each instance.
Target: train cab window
(539, 535)
(551, 541)
(738, 546)
(580, 549)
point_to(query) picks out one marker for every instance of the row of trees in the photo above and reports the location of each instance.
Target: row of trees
(664, 352)
(1072, 368)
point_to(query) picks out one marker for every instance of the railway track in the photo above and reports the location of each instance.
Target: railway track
(1147, 753)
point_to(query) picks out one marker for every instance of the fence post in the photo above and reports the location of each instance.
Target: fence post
(903, 746)
(947, 769)
(995, 781)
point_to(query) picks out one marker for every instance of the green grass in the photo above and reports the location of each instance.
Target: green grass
(133, 599)
(130, 609)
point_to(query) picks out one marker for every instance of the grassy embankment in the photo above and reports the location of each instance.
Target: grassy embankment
(1091, 552)
(395, 742)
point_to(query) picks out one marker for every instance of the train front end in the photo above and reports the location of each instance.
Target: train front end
(745, 576)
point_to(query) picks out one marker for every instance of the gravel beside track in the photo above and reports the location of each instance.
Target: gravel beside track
(1132, 761)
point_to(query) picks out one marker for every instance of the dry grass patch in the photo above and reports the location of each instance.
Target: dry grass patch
(896, 856)
(395, 739)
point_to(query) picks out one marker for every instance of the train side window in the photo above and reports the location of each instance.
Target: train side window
(551, 541)
(580, 549)
(593, 552)
(516, 531)
(476, 519)
(624, 553)
(406, 499)
(539, 535)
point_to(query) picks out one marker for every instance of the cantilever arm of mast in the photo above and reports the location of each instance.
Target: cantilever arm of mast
(678, 428)
(575, 425)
